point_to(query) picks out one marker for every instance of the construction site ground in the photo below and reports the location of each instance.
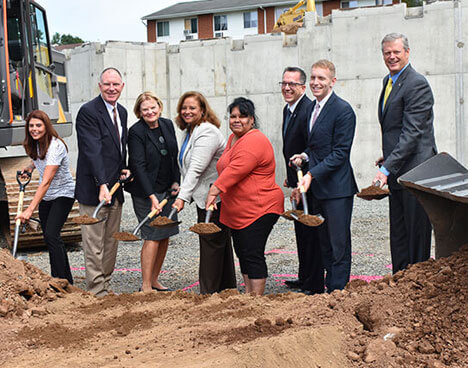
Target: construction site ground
(417, 318)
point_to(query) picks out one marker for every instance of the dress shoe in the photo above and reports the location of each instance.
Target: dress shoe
(293, 284)
(158, 289)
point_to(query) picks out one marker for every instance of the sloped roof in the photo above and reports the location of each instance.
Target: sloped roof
(193, 8)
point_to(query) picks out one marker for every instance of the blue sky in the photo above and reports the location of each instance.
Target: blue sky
(102, 20)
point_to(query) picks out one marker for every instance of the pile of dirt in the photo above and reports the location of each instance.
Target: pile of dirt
(162, 221)
(373, 192)
(85, 220)
(125, 236)
(416, 318)
(24, 288)
(205, 228)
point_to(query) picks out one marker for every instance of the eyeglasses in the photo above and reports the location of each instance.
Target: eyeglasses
(290, 84)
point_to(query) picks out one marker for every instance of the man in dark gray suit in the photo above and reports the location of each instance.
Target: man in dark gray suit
(406, 119)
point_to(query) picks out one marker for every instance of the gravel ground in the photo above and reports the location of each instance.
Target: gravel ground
(370, 244)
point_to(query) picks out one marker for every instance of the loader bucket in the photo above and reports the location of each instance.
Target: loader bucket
(441, 186)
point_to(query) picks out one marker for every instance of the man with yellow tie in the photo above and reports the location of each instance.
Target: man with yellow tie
(406, 120)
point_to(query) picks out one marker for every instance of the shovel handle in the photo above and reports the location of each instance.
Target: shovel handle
(209, 212)
(114, 188)
(20, 207)
(299, 178)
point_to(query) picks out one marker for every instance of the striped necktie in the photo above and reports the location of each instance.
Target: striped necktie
(388, 89)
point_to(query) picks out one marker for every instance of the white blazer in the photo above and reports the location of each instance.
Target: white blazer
(198, 169)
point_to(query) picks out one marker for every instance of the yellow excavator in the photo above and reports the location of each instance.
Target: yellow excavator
(293, 18)
(32, 76)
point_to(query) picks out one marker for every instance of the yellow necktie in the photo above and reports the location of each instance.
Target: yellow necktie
(388, 89)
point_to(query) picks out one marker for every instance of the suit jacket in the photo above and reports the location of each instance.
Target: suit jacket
(100, 156)
(295, 139)
(407, 124)
(144, 157)
(204, 148)
(329, 148)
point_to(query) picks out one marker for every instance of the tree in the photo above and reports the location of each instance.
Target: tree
(65, 39)
(55, 39)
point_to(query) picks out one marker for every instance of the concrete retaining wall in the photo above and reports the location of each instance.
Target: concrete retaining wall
(223, 69)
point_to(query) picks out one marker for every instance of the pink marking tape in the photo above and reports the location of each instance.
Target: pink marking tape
(280, 251)
(366, 277)
(116, 269)
(191, 286)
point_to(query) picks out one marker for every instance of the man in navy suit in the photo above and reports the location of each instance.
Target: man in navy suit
(406, 119)
(101, 127)
(295, 122)
(330, 176)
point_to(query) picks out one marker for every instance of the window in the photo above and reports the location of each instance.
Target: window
(250, 19)
(349, 4)
(39, 36)
(163, 29)
(191, 25)
(220, 23)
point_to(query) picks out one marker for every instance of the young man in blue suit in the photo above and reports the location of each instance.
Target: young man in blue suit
(295, 121)
(330, 176)
(101, 129)
(406, 119)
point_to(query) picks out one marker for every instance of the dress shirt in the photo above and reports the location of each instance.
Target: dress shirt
(110, 110)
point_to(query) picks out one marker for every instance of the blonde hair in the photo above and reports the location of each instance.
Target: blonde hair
(325, 64)
(147, 95)
(207, 113)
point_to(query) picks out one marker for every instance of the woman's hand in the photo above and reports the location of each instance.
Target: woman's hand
(211, 197)
(25, 215)
(179, 204)
(175, 189)
(28, 169)
(155, 204)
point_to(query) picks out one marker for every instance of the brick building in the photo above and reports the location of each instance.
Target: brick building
(228, 18)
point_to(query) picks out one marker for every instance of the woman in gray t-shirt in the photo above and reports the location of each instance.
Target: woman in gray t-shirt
(55, 194)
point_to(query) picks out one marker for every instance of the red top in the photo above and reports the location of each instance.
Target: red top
(247, 180)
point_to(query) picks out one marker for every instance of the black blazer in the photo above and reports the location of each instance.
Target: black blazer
(407, 124)
(144, 156)
(100, 157)
(295, 139)
(329, 148)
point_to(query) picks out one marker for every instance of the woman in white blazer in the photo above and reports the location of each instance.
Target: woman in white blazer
(201, 148)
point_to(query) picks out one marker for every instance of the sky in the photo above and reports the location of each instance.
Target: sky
(102, 20)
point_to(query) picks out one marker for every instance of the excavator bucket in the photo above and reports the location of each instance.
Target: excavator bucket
(441, 186)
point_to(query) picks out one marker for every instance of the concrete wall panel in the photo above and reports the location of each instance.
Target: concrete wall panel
(223, 69)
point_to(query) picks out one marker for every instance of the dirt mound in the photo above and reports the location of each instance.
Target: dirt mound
(417, 318)
(24, 288)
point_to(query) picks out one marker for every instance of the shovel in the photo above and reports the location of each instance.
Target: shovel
(86, 220)
(163, 221)
(207, 227)
(126, 236)
(294, 213)
(373, 192)
(22, 187)
(305, 218)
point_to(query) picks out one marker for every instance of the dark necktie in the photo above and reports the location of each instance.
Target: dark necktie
(116, 124)
(286, 120)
